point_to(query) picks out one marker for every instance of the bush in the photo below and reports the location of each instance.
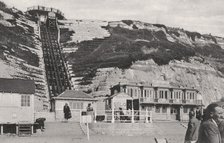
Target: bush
(161, 26)
(193, 35)
(128, 22)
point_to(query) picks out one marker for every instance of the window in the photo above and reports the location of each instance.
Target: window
(131, 91)
(157, 109)
(139, 93)
(128, 92)
(25, 100)
(164, 109)
(115, 91)
(185, 110)
(184, 97)
(148, 93)
(161, 94)
(166, 94)
(76, 105)
(136, 93)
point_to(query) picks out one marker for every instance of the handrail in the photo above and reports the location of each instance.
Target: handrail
(45, 9)
(122, 116)
(170, 101)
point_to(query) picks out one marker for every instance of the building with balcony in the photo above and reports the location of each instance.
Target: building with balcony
(41, 13)
(164, 102)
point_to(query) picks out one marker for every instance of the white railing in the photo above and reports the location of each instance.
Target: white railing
(45, 9)
(118, 116)
(171, 101)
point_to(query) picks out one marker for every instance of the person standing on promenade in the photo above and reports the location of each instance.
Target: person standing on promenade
(209, 131)
(193, 128)
(221, 124)
(198, 114)
(67, 112)
(90, 111)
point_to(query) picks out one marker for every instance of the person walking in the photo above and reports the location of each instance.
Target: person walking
(67, 112)
(198, 114)
(209, 131)
(193, 128)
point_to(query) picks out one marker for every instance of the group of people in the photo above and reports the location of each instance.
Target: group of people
(208, 128)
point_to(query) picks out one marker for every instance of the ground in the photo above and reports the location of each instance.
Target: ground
(71, 132)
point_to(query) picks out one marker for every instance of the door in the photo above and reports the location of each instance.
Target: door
(129, 104)
(173, 113)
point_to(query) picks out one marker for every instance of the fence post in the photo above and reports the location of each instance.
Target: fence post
(112, 114)
(95, 113)
(146, 116)
(132, 116)
(80, 114)
(112, 118)
(150, 116)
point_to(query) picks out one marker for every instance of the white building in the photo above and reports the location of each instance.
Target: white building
(16, 101)
(77, 101)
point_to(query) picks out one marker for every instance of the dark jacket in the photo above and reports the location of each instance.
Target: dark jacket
(209, 132)
(67, 112)
(192, 130)
(221, 129)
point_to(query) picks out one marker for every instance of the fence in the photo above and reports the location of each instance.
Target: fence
(106, 116)
(122, 116)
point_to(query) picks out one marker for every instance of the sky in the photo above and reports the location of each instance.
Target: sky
(204, 16)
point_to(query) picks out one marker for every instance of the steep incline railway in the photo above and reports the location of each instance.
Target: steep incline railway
(56, 73)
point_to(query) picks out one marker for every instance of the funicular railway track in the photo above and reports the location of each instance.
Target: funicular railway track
(54, 62)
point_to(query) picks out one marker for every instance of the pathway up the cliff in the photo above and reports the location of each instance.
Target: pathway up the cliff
(56, 73)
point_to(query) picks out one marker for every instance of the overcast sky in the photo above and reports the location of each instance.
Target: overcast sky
(204, 16)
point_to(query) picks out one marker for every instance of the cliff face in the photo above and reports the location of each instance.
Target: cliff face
(100, 54)
(20, 51)
(134, 51)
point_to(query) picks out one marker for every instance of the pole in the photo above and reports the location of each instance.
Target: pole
(146, 116)
(112, 119)
(87, 131)
(132, 113)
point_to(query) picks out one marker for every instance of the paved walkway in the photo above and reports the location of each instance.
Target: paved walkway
(58, 132)
(55, 132)
(174, 132)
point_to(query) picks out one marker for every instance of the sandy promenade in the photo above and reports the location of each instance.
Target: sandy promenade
(58, 132)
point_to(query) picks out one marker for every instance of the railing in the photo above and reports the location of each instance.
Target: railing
(45, 9)
(198, 102)
(170, 101)
(120, 116)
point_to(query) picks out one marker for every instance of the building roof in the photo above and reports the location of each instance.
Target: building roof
(21, 86)
(120, 94)
(74, 94)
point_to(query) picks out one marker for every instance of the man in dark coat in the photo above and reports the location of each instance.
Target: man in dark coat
(67, 112)
(209, 131)
(193, 128)
(221, 129)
